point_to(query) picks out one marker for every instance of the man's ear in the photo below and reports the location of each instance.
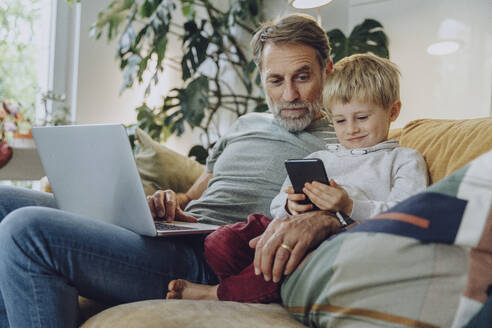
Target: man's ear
(328, 68)
(395, 110)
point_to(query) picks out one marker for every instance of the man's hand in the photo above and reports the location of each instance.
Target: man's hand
(293, 205)
(285, 242)
(164, 204)
(331, 197)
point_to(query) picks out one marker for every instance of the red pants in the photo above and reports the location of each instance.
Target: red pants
(228, 253)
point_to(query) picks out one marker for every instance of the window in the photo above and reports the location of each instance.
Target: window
(24, 53)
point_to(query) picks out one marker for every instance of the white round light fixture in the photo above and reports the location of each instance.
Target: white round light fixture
(308, 4)
(443, 48)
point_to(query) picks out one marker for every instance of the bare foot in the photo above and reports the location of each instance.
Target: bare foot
(183, 289)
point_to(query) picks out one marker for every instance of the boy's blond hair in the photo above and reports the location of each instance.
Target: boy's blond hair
(365, 78)
(293, 28)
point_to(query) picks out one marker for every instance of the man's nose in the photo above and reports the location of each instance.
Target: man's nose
(291, 93)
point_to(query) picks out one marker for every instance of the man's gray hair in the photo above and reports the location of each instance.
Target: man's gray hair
(294, 28)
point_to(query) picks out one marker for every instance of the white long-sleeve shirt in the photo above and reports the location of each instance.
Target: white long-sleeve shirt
(375, 178)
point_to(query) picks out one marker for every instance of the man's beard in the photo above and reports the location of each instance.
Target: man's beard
(294, 122)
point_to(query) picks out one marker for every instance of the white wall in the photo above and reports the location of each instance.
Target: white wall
(454, 86)
(99, 78)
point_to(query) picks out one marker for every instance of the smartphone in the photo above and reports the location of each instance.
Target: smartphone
(301, 171)
(305, 170)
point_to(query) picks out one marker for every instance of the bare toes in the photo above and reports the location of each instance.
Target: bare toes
(173, 296)
(176, 285)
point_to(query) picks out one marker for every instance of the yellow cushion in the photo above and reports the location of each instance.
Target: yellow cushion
(394, 134)
(163, 168)
(193, 314)
(447, 145)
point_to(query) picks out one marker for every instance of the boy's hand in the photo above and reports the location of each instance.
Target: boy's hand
(293, 206)
(329, 197)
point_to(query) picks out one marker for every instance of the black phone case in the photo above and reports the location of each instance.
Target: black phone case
(301, 171)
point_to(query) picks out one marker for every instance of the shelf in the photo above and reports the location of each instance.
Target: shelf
(24, 164)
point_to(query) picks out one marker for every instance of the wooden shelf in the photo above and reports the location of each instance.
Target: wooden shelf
(24, 164)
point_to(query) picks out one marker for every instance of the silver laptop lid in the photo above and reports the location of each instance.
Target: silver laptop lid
(92, 173)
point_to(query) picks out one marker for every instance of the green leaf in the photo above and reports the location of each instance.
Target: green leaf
(112, 17)
(199, 153)
(261, 108)
(258, 79)
(338, 43)
(188, 9)
(160, 49)
(148, 8)
(248, 74)
(195, 46)
(70, 2)
(130, 71)
(194, 101)
(365, 37)
(127, 40)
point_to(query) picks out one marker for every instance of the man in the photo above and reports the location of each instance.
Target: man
(48, 257)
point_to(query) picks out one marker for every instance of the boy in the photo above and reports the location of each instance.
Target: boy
(368, 175)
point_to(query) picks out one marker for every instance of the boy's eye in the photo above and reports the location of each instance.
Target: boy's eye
(361, 117)
(339, 121)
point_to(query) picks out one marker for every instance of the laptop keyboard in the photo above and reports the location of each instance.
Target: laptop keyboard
(161, 226)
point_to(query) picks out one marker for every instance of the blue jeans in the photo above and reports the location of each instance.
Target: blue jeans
(49, 257)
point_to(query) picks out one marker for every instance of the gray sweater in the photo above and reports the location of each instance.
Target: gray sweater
(248, 166)
(376, 178)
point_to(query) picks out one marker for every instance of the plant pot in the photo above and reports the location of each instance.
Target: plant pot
(5, 153)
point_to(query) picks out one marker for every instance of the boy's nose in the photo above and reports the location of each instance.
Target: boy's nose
(353, 128)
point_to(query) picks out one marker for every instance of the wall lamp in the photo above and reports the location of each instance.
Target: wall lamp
(310, 4)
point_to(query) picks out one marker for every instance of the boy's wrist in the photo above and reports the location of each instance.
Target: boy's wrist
(347, 209)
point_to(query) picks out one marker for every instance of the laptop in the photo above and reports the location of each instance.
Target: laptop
(92, 173)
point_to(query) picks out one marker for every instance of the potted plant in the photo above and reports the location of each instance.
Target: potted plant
(12, 126)
(209, 37)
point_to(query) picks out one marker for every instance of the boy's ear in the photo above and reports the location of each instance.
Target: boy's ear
(395, 110)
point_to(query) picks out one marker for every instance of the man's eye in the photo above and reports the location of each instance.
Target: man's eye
(361, 117)
(274, 82)
(303, 77)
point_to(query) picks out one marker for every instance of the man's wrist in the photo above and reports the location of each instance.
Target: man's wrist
(344, 219)
(183, 200)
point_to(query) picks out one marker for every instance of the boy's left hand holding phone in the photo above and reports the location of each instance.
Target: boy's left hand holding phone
(312, 190)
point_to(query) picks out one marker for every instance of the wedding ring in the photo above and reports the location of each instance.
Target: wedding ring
(287, 247)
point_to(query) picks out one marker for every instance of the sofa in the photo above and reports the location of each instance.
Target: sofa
(446, 145)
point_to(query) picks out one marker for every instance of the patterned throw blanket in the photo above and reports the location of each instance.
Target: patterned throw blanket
(425, 263)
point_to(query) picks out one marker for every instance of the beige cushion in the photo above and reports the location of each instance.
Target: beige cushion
(163, 168)
(447, 145)
(189, 314)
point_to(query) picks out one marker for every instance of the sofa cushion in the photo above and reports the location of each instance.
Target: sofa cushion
(447, 145)
(190, 314)
(422, 263)
(163, 168)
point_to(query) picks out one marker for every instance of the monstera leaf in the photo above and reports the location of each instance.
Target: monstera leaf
(197, 44)
(192, 102)
(199, 153)
(366, 37)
